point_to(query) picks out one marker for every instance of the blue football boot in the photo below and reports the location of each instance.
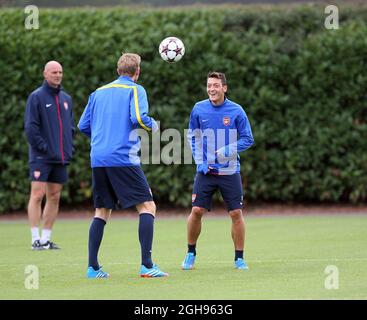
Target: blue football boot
(153, 272)
(94, 274)
(188, 263)
(240, 264)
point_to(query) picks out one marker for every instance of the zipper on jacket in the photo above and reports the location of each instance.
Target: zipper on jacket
(61, 131)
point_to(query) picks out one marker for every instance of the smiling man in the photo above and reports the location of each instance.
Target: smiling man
(219, 131)
(49, 128)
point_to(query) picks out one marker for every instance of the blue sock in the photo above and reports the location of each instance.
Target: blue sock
(95, 239)
(238, 254)
(191, 248)
(146, 227)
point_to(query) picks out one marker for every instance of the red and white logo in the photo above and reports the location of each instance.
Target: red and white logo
(37, 174)
(66, 106)
(226, 121)
(193, 197)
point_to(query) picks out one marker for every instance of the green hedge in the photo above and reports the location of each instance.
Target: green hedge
(302, 86)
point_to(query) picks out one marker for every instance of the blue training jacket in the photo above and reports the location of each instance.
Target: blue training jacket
(109, 119)
(49, 125)
(217, 134)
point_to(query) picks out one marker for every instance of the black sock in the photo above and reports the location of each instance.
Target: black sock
(95, 239)
(192, 248)
(238, 254)
(146, 228)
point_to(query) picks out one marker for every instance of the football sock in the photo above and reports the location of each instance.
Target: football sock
(35, 234)
(95, 239)
(46, 236)
(191, 248)
(238, 254)
(146, 227)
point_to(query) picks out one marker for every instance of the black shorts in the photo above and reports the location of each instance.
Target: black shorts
(48, 172)
(230, 187)
(119, 187)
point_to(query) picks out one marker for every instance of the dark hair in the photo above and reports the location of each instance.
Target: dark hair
(218, 75)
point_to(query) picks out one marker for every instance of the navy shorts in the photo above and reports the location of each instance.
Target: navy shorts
(230, 186)
(48, 172)
(119, 187)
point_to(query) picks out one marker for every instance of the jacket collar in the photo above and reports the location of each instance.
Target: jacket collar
(218, 106)
(122, 78)
(51, 89)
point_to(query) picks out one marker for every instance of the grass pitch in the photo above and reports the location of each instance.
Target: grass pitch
(287, 256)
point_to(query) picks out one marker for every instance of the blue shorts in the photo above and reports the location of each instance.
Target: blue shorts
(119, 187)
(48, 172)
(230, 186)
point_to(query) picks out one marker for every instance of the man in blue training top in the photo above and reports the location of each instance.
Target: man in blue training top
(110, 118)
(219, 129)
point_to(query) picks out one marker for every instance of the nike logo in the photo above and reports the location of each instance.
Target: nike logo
(48, 105)
(205, 120)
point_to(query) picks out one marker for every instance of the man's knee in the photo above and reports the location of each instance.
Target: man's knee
(147, 207)
(236, 215)
(53, 192)
(54, 197)
(37, 193)
(103, 213)
(197, 212)
(37, 197)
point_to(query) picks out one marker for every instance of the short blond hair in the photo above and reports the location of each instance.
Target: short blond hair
(128, 63)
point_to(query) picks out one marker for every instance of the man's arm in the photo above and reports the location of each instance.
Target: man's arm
(245, 138)
(32, 125)
(139, 110)
(84, 122)
(194, 136)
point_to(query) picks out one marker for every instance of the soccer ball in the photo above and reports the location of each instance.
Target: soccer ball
(171, 49)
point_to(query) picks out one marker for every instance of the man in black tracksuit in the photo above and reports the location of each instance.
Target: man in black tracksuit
(49, 128)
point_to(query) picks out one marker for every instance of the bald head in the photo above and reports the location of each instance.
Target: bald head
(53, 73)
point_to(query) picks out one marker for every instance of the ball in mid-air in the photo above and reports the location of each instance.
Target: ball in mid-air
(171, 49)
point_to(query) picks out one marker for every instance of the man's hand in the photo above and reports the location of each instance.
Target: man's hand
(203, 168)
(155, 126)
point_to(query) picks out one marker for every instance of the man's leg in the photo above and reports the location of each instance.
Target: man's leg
(131, 188)
(194, 227)
(96, 234)
(232, 193)
(238, 229)
(147, 212)
(193, 233)
(38, 190)
(238, 237)
(203, 190)
(53, 194)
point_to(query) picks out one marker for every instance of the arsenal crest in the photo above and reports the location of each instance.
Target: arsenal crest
(37, 174)
(226, 121)
(66, 106)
